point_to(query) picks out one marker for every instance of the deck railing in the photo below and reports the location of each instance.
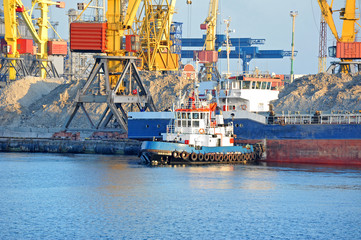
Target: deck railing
(343, 118)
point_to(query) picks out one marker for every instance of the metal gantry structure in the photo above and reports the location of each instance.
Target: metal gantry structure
(245, 49)
(153, 25)
(322, 53)
(41, 66)
(347, 50)
(114, 79)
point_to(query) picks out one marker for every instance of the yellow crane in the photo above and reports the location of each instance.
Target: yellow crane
(347, 37)
(154, 20)
(11, 37)
(209, 55)
(40, 34)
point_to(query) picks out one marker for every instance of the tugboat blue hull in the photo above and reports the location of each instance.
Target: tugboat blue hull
(163, 153)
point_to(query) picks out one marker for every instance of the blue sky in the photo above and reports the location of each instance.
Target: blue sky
(255, 19)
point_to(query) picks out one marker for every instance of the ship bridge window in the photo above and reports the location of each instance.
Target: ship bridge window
(184, 115)
(269, 85)
(179, 123)
(189, 115)
(264, 85)
(234, 85)
(256, 85)
(189, 124)
(179, 115)
(184, 123)
(223, 85)
(195, 123)
(195, 115)
(202, 115)
(246, 84)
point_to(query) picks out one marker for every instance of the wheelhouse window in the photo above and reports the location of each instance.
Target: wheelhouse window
(264, 85)
(196, 123)
(246, 84)
(184, 115)
(195, 115)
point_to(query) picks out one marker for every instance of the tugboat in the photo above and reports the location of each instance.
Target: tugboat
(198, 135)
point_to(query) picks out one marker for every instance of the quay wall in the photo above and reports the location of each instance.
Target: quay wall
(115, 147)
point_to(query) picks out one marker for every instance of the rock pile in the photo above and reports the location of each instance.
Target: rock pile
(321, 92)
(33, 102)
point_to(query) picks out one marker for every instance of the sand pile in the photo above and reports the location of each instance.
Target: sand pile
(322, 92)
(33, 102)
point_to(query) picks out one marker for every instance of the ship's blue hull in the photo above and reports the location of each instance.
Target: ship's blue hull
(336, 144)
(249, 129)
(160, 152)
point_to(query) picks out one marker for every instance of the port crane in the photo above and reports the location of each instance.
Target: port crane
(347, 49)
(209, 56)
(39, 34)
(114, 80)
(153, 26)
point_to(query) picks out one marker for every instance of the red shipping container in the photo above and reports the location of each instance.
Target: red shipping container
(207, 56)
(57, 48)
(25, 46)
(88, 37)
(350, 50)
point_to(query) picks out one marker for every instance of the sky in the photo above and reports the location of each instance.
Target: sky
(259, 19)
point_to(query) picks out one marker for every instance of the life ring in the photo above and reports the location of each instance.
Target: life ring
(244, 107)
(176, 154)
(201, 131)
(193, 156)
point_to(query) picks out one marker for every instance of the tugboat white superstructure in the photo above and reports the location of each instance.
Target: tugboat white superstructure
(198, 135)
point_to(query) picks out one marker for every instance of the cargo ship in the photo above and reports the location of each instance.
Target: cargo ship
(313, 138)
(194, 137)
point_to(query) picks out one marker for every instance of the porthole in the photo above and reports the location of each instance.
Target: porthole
(237, 125)
(158, 126)
(147, 126)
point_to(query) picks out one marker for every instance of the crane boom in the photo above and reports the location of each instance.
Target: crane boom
(211, 22)
(326, 11)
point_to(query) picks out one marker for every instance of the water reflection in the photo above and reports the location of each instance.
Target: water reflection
(112, 197)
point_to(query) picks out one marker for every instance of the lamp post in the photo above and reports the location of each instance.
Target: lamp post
(293, 15)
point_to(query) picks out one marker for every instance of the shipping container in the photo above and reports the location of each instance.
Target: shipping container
(206, 56)
(25, 46)
(88, 37)
(57, 48)
(348, 50)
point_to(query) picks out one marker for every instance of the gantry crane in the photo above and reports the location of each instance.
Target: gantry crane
(346, 49)
(40, 34)
(114, 79)
(209, 55)
(154, 20)
(12, 65)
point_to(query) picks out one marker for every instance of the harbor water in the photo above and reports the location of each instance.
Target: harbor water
(54, 196)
